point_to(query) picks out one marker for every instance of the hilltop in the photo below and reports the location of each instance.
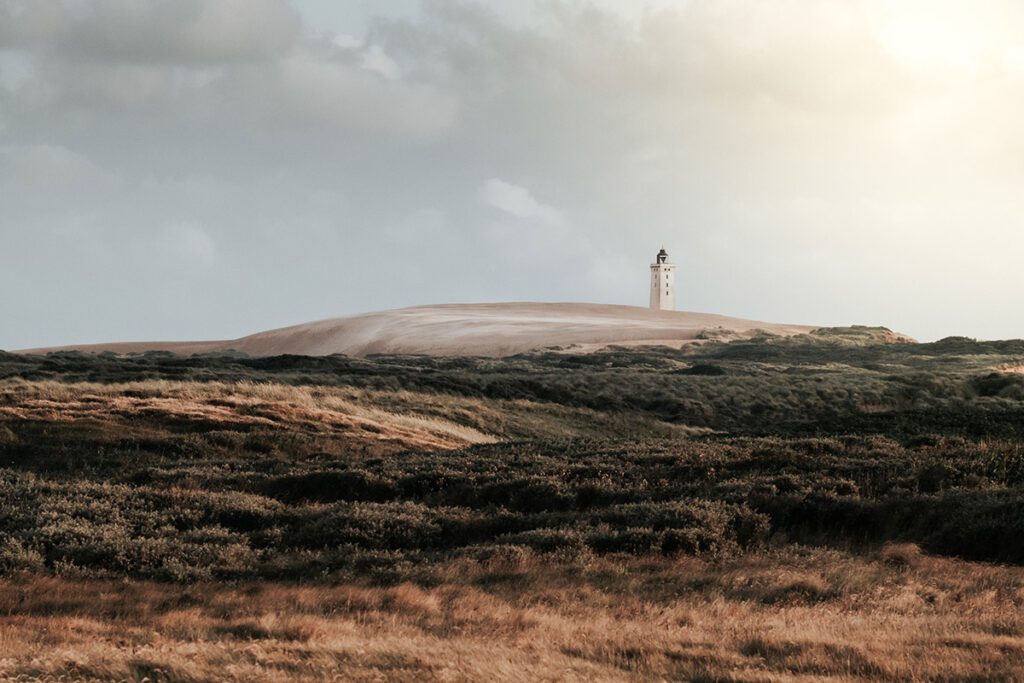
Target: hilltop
(501, 329)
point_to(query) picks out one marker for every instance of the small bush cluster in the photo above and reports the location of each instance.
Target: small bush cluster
(89, 528)
(196, 517)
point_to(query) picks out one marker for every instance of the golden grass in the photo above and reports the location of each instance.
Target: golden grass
(236, 405)
(792, 615)
(401, 418)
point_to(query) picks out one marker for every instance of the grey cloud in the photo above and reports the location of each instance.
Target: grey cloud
(204, 168)
(47, 167)
(517, 201)
(154, 31)
(28, 22)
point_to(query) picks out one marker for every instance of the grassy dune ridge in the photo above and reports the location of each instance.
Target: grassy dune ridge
(845, 380)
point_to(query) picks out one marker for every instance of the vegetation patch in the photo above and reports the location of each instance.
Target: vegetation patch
(654, 513)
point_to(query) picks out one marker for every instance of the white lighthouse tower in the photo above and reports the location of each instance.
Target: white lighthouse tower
(663, 283)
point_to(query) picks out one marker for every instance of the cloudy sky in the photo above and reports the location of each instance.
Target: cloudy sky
(179, 169)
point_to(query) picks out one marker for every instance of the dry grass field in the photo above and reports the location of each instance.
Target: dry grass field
(783, 615)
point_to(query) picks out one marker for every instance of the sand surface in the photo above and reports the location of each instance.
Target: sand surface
(470, 329)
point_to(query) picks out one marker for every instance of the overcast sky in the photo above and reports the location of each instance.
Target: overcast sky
(185, 169)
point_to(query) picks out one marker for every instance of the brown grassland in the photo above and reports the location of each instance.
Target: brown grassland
(784, 615)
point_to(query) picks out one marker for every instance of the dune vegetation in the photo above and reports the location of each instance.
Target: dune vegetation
(843, 504)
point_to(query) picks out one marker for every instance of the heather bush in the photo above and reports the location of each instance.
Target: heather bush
(545, 540)
(15, 557)
(330, 486)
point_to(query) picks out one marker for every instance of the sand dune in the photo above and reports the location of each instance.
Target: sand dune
(471, 329)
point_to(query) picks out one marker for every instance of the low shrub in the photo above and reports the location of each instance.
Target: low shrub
(330, 486)
(545, 540)
(900, 554)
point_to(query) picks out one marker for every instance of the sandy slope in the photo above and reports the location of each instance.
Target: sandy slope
(470, 329)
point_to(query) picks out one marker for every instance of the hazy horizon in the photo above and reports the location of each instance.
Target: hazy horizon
(207, 169)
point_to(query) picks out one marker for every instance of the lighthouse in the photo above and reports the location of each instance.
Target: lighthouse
(663, 283)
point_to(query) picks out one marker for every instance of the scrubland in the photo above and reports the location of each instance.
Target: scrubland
(828, 506)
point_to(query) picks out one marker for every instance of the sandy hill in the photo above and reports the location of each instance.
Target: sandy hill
(471, 329)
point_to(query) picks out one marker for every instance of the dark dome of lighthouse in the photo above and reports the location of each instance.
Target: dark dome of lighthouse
(662, 256)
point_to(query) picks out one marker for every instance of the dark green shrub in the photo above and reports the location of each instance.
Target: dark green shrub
(545, 540)
(635, 541)
(330, 486)
(380, 526)
(1005, 385)
(535, 494)
(704, 369)
(15, 557)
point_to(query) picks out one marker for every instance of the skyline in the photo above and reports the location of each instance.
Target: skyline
(169, 171)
